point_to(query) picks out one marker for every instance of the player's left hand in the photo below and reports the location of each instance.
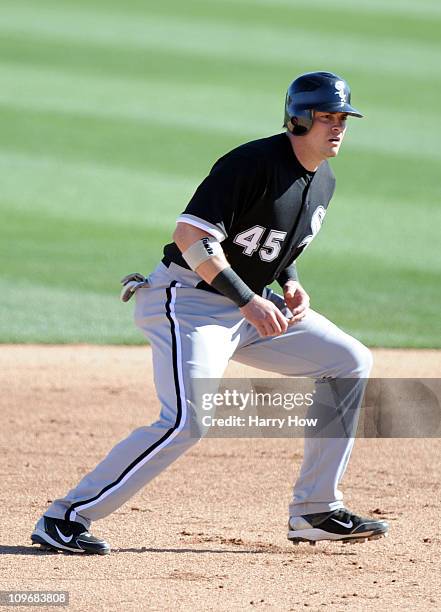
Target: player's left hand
(297, 300)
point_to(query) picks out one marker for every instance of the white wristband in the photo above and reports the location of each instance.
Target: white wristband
(202, 250)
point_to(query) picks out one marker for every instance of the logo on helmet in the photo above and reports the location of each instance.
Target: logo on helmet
(340, 91)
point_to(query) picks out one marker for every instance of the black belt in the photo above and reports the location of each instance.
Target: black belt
(202, 285)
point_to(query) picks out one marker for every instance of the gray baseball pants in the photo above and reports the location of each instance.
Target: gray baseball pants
(193, 334)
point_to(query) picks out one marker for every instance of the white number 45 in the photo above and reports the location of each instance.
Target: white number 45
(250, 239)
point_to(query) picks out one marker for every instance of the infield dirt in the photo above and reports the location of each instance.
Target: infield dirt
(210, 532)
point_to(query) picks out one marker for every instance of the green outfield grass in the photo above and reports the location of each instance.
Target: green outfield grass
(111, 114)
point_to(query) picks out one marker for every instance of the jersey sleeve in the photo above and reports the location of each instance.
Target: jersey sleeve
(289, 273)
(234, 181)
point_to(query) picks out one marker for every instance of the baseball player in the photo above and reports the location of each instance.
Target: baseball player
(207, 302)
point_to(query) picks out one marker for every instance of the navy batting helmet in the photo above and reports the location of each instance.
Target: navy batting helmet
(320, 91)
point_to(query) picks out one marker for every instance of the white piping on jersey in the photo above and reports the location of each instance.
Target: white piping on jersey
(212, 229)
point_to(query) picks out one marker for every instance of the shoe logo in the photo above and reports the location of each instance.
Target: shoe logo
(63, 537)
(348, 525)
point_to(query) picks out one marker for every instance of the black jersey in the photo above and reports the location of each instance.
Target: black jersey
(264, 207)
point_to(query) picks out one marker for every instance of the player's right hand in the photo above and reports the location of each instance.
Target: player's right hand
(265, 316)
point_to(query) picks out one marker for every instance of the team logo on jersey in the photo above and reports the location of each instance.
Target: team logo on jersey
(340, 91)
(316, 223)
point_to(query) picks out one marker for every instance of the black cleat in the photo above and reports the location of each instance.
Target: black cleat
(340, 525)
(60, 535)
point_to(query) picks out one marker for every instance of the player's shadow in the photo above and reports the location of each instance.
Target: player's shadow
(24, 550)
(36, 550)
(243, 551)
